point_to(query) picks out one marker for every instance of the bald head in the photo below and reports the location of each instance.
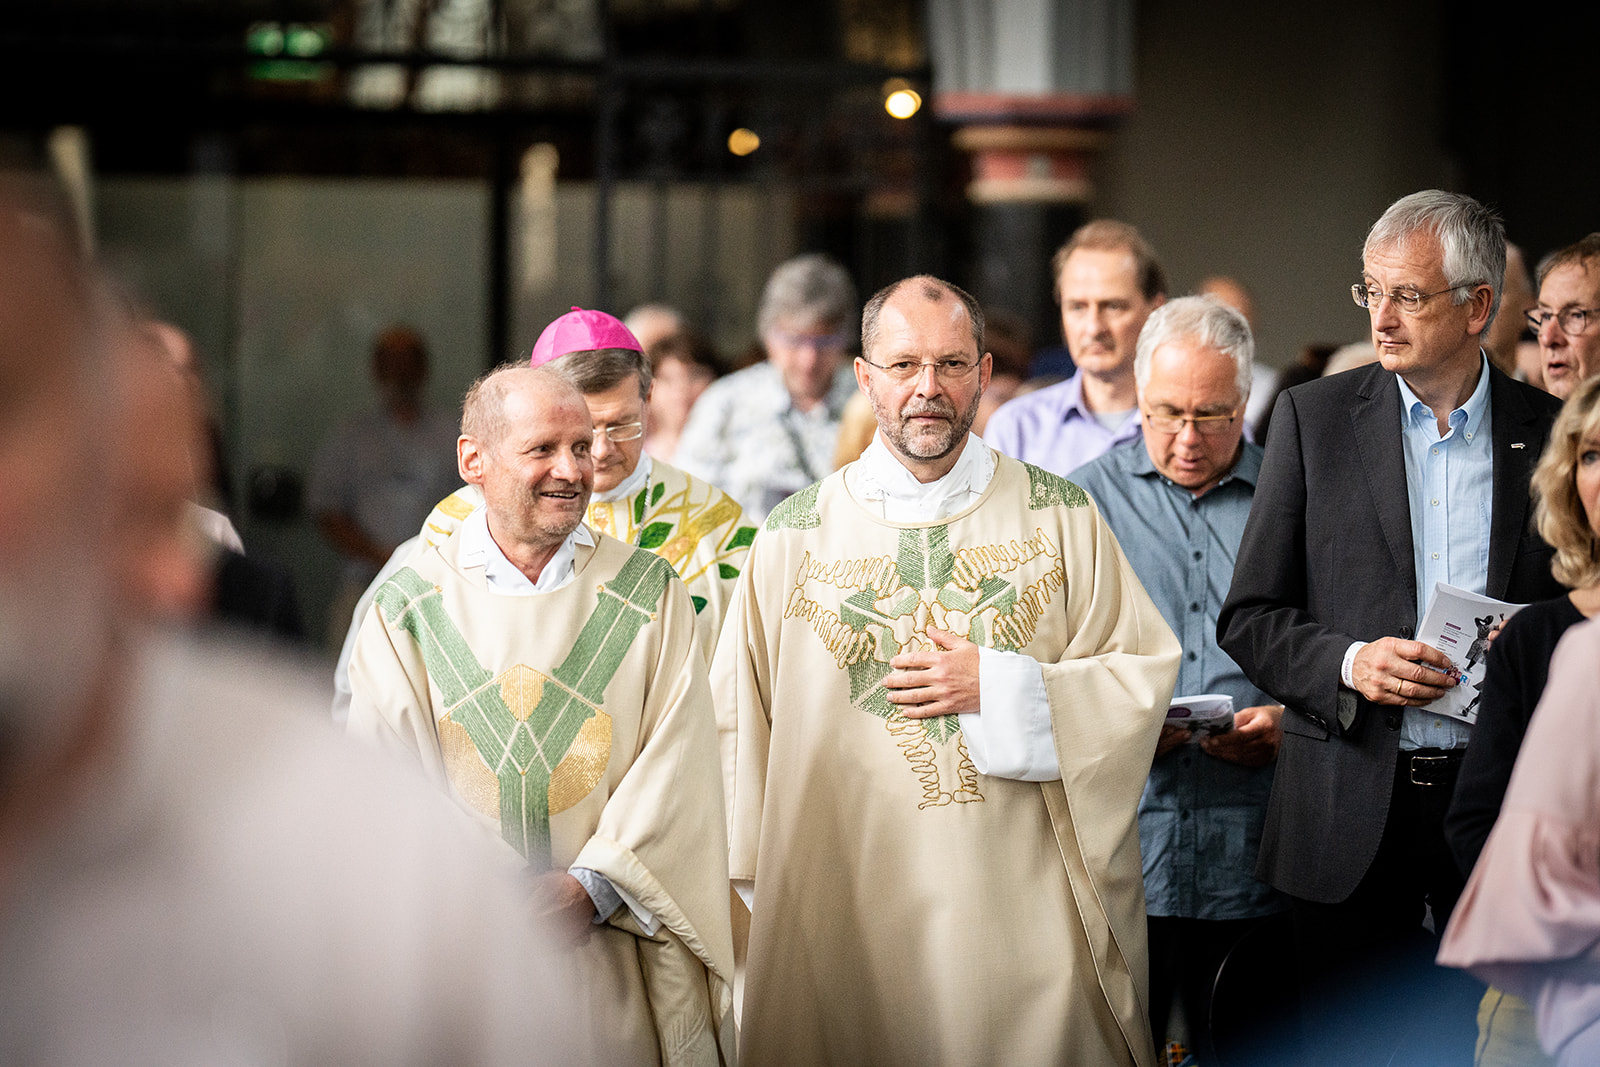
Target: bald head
(526, 438)
(483, 411)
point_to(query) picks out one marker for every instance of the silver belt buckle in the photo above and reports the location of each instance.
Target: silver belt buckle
(1415, 760)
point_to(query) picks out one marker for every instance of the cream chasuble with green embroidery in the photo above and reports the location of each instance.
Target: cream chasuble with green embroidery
(691, 524)
(577, 726)
(907, 909)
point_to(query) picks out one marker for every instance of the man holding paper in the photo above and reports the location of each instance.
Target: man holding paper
(1177, 499)
(1375, 485)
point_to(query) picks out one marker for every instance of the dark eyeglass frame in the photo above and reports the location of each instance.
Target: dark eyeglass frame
(1564, 319)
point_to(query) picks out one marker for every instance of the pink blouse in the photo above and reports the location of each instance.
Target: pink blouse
(1529, 919)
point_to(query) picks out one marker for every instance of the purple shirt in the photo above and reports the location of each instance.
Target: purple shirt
(1051, 428)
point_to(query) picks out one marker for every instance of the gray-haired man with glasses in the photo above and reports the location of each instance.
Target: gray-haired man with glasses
(1177, 501)
(1377, 484)
(1567, 318)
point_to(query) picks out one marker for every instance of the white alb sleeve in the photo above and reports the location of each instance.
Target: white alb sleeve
(1011, 737)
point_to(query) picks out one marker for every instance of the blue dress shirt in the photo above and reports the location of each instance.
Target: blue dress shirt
(1200, 817)
(1450, 487)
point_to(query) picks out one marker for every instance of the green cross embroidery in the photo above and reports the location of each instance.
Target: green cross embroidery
(524, 753)
(926, 568)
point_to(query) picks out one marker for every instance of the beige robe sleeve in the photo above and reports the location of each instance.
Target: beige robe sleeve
(662, 839)
(1108, 695)
(391, 704)
(742, 679)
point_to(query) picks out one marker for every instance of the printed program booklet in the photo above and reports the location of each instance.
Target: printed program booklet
(1458, 623)
(1203, 715)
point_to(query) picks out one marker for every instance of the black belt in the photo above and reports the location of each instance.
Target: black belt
(1431, 766)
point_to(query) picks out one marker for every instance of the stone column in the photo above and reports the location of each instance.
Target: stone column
(1031, 90)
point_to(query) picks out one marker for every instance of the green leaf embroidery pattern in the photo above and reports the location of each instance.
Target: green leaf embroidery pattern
(728, 571)
(742, 537)
(524, 753)
(655, 535)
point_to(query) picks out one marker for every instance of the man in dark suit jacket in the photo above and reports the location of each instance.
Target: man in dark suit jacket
(1376, 483)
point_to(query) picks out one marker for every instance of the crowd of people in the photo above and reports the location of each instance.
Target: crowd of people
(836, 708)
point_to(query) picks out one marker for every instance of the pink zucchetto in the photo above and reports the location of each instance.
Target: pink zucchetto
(582, 331)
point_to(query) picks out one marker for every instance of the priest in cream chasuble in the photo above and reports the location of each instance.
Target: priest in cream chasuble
(693, 525)
(563, 702)
(939, 690)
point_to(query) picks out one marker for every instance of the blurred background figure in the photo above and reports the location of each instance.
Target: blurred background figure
(856, 429)
(652, 322)
(1263, 376)
(683, 363)
(379, 474)
(771, 429)
(1311, 362)
(1567, 315)
(1349, 357)
(1010, 342)
(197, 869)
(1507, 339)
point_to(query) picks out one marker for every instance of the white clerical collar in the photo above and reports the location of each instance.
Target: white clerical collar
(879, 477)
(479, 550)
(629, 485)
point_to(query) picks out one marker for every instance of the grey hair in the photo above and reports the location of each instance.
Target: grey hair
(812, 288)
(1206, 320)
(1472, 237)
(597, 369)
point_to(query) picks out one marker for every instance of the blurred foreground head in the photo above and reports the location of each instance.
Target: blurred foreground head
(55, 579)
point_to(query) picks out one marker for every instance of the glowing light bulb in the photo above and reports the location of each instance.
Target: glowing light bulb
(742, 142)
(903, 103)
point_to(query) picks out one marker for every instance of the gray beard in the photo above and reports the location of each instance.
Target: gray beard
(895, 435)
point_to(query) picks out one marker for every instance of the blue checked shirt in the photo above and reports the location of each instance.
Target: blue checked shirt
(1200, 817)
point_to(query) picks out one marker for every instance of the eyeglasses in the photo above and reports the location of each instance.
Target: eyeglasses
(625, 431)
(1205, 425)
(1406, 300)
(904, 370)
(1572, 321)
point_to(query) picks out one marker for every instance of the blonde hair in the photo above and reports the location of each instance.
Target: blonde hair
(1557, 508)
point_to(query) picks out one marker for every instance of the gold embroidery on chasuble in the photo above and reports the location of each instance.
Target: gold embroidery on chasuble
(543, 739)
(865, 611)
(574, 778)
